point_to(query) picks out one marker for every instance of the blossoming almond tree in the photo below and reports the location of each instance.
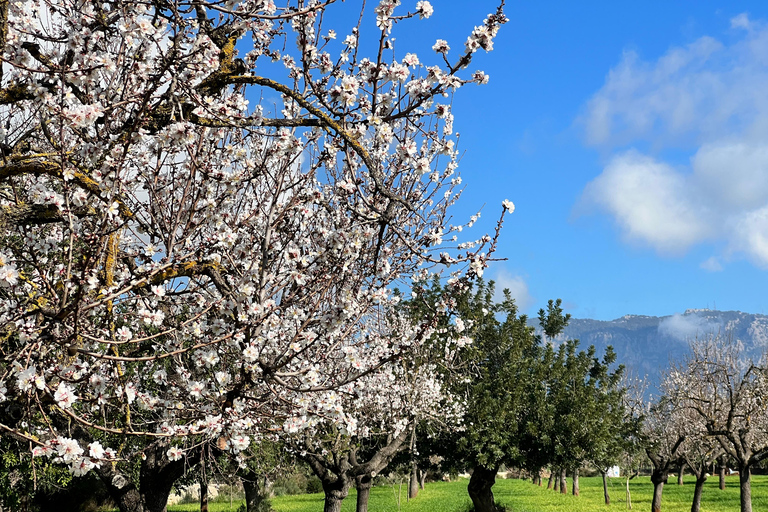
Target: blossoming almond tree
(726, 392)
(196, 246)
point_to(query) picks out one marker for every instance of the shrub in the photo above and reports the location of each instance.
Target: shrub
(314, 485)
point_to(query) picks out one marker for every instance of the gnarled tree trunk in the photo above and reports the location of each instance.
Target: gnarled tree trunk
(422, 478)
(256, 492)
(157, 475)
(363, 484)
(480, 488)
(658, 478)
(336, 489)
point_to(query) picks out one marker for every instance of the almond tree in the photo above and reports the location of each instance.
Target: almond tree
(728, 393)
(664, 440)
(199, 247)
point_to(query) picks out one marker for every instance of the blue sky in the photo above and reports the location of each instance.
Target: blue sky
(633, 140)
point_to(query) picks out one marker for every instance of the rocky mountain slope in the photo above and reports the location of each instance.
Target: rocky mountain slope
(646, 344)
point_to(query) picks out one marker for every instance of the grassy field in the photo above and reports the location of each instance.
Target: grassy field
(522, 496)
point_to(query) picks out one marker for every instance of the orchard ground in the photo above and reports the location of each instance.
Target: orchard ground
(522, 496)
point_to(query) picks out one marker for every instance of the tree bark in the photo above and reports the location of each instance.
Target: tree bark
(422, 478)
(557, 479)
(413, 483)
(680, 474)
(551, 478)
(575, 483)
(255, 492)
(157, 474)
(203, 493)
(629, 495)
(120, 488)
(658, 478)
(336, 489)
(696, 505)
(480, 488)
(721, 472)
(745, 484)
(605, 488)
(363, 483)
(563, 482)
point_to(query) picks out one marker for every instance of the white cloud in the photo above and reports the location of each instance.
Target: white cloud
(687, 327)
(517, 287)
(649, 201)
(707, 98)
(711, 264)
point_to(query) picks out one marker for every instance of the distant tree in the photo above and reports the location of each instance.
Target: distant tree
(663, 441)
(587, 397)
(729, 394)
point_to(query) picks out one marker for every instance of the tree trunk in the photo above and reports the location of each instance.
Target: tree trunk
(422, 479)
(413, 483)
(203, 493)
(658, 478)
(629, 495)
(551, 478)
(480, 488)
(335, 491)
(575, 483)
(157, 474)
(696, 505)
(680, 474)
(745, 484)
(363, 484)
(721, 471)
(557, 479)
(255, 494)
(605, 488)
(120, 488)
(563, 482)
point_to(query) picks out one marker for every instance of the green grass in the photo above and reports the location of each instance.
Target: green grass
(522, 496)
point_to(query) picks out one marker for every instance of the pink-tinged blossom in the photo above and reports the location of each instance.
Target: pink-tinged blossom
(411, 59)
(9, 276)
(424, 9)
(196, 389)
(124, 334)
(174, 453)
(25, 379)
(68, 449)
(64, 396)
(441, 46)
(238, 443)
(95, 450)
(43, 451)
(82, 466)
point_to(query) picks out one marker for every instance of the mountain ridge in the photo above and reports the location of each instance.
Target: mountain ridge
(646, 344)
